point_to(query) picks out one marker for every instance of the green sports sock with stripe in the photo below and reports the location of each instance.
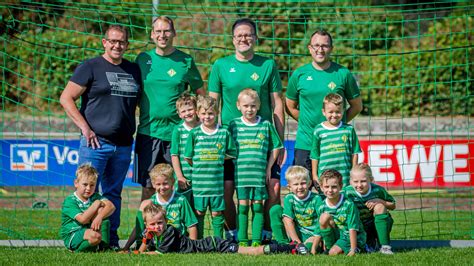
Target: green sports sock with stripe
(257, 223)
(382, 225)
(278, 229)
(218, 225)
(242, 234)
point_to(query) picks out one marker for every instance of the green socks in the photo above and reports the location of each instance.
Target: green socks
(278, 228)
(329, 237)
(242, 234)
(105, 231)
(383, 225)
(139, 227)
(257, 223)
(200, 226)
(218, 225)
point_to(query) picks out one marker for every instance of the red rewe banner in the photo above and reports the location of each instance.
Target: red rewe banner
(420, 163)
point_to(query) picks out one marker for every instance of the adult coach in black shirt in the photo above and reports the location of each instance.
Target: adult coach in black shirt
(109, 87)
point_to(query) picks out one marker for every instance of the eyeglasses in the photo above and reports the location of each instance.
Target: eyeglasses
(317, 46)
(163, 32)
(244, 36)
(114, 42)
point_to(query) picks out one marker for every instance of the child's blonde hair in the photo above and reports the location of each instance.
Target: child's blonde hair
(87, 172)
(297, 172)
(364, 168)
(186, 99)
(333, 98)
(250, 93)
(152, 210)
(206, 103)
(331, 174)
(162, 169)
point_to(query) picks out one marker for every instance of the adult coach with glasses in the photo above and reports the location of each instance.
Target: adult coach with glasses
(307, 87)
(166, 73)
(229, 76)
(109, 87)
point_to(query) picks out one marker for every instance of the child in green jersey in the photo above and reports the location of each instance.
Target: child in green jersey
(207, 147)
(84, 226)
(335, 144)
(258, 146)
(159, 237)
(339, 221)
(186, 107)
(373, 202)
(300, 219)
(179, 212)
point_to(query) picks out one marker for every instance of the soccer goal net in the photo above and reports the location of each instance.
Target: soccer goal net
(412, 62)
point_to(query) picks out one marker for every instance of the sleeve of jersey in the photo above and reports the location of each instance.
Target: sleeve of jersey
(288, 207)
(167, 243)
(275, 142)
(355, 142)
(70, 208)
(231, 150)
(275, 81)
(83, 74)
(214, 83)
(193, 75)
(352, 90)
(189, 148)
(175, 141)
(315, 146)
(353, 220)
(292, 89)
(386, 196)
(187, 214)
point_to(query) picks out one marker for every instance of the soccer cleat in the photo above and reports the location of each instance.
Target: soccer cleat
(279, 248)
(255, 244)
(243, 244)
(301, 249)
(387, 250)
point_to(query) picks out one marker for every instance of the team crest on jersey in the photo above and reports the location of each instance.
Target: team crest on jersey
(254, 76)
(174, 214)
(332, 85)
(309, 78)
(232, 70)
(309, 211)
(218, 146)
(261, 136)
(171, 72)
(344, 138)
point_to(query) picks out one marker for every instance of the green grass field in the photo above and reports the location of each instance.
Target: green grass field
(28, 256)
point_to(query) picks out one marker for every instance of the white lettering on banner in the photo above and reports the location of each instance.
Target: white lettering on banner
(377, 163)
(409, 164)
(451, 162)
(71, 156)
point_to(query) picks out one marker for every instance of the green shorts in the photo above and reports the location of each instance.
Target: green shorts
(252, 193)
(216, 204)
(344, 242)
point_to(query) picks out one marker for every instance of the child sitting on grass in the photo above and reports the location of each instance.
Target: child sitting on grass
(339, 221)
(179, 212)
(373, 202)
(159, 237)
(84, 223)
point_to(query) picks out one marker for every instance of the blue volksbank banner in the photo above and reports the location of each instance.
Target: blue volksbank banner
(54, 162)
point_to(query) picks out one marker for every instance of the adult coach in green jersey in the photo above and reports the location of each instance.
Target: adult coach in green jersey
(239, 71)
(166, 73)
(306, 90)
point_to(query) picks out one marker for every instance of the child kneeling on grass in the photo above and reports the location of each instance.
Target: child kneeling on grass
(373, 202)
(84, 226)
(159, 238)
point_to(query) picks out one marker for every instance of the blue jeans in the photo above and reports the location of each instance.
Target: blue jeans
(112, 163)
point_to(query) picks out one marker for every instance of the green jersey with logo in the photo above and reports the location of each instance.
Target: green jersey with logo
(334, 148)
(178, 143)
(375, 192)
(253, 143)
(308, 86)
(73, 206)
(178, 211)
(346, 217)
(303, 213)
(208, 151)
(230, 76)
(165, 78)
